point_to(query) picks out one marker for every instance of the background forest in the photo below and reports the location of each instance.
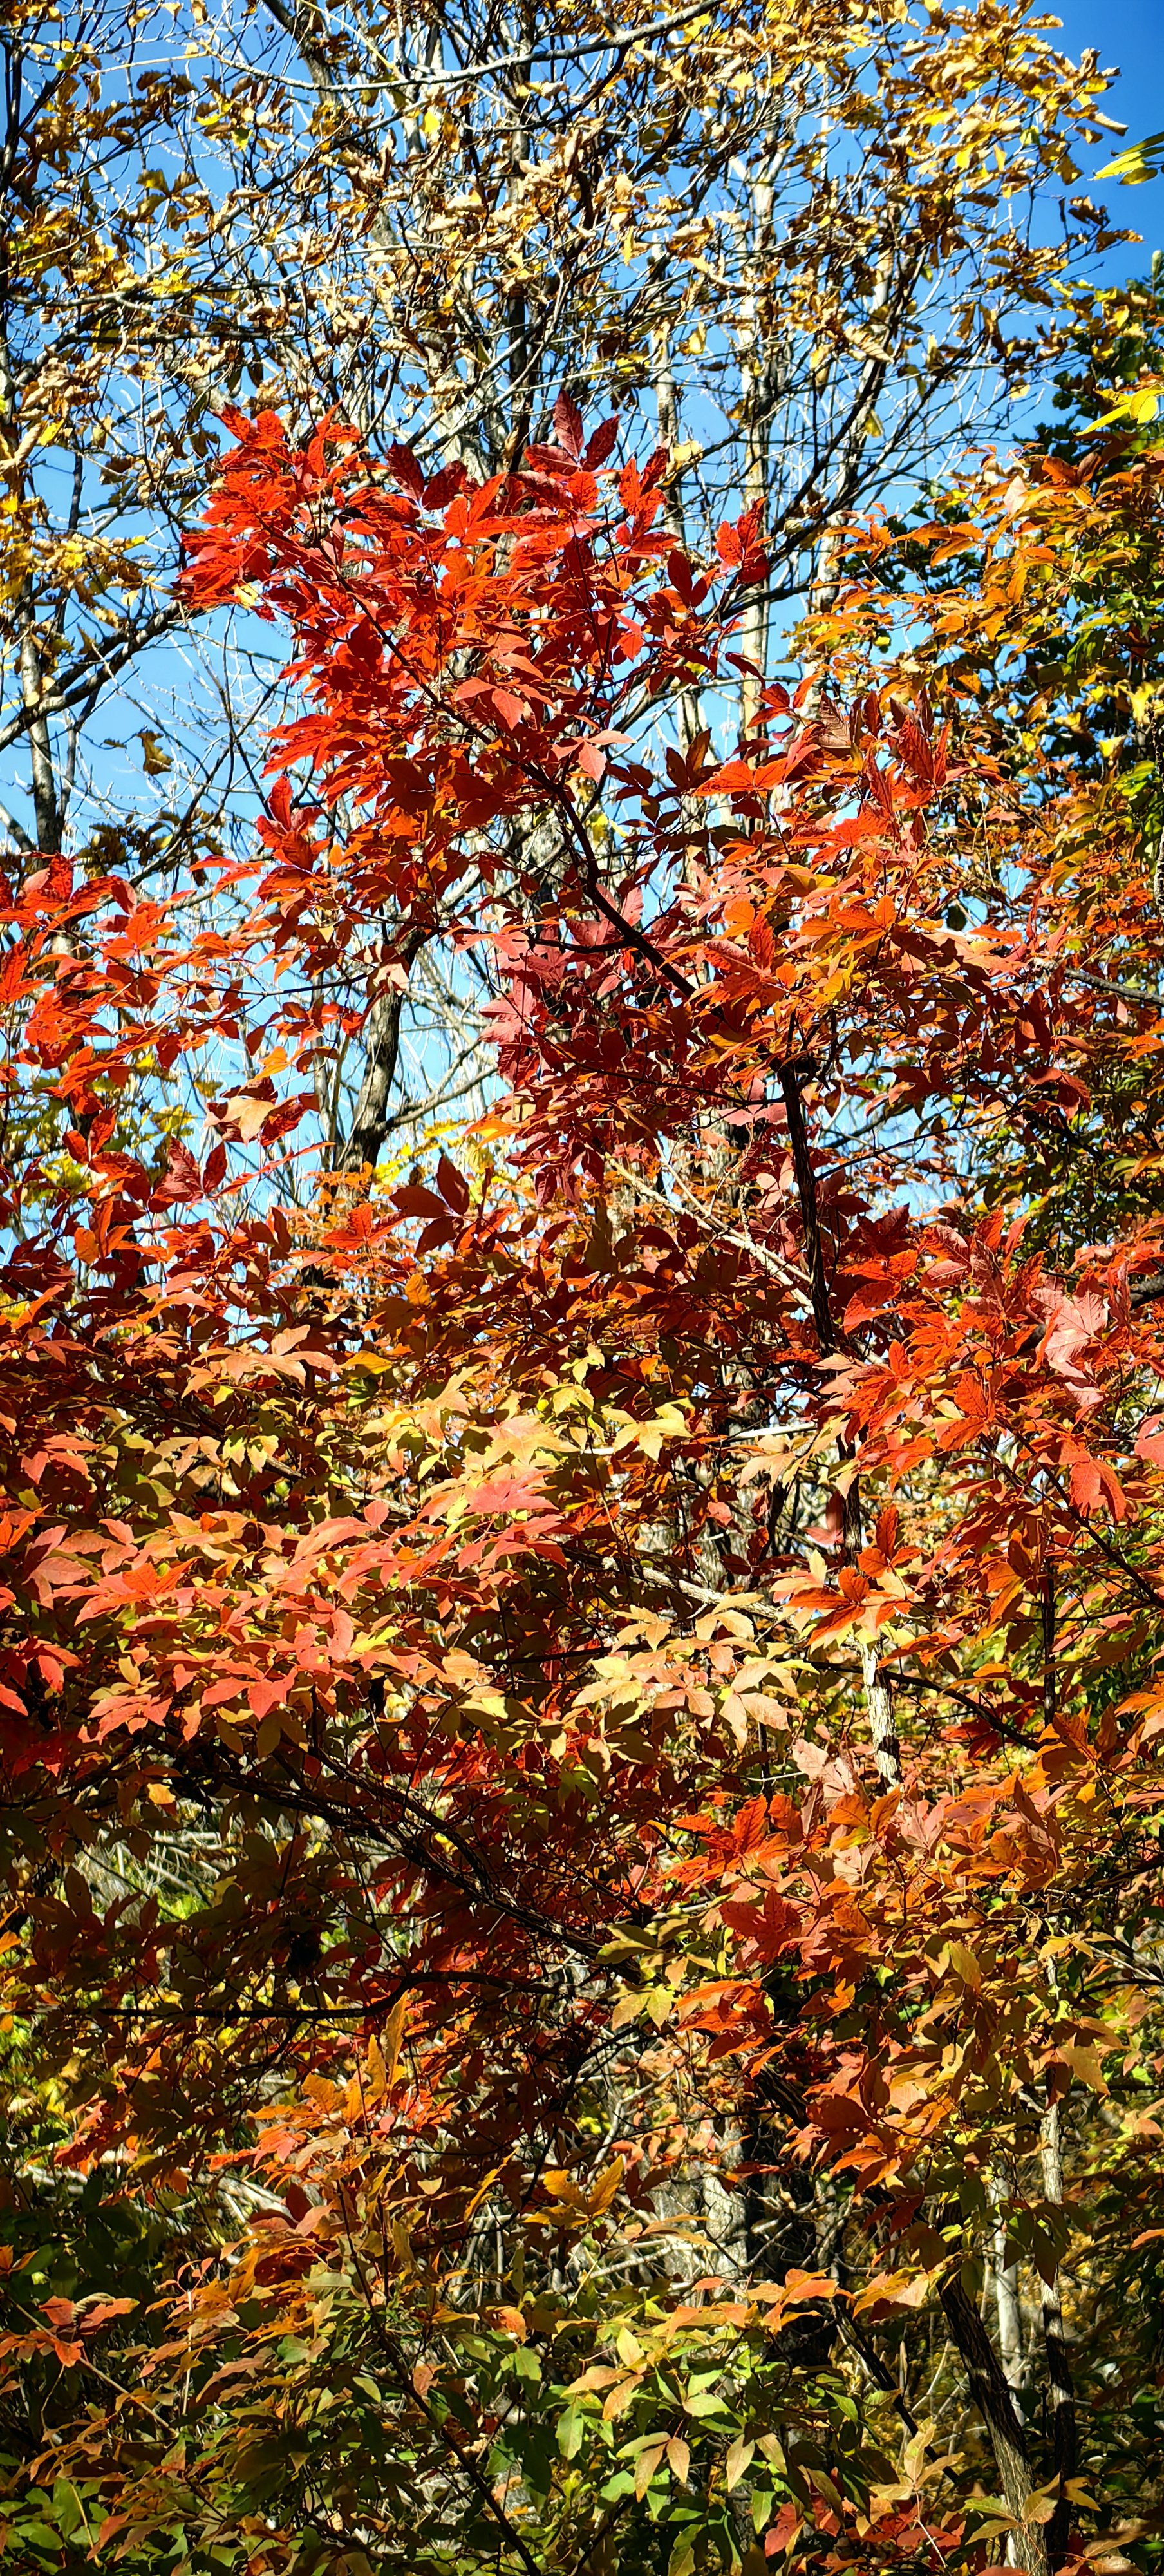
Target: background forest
(581, 1292)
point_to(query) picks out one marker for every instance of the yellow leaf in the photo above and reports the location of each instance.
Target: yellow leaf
(393, 2033)
(965, 1965)
(1138, 162)
(155, 761)
(606, 2187)
(892, 2290)
(646, 2465)
(561, 2186)
(483, 2190)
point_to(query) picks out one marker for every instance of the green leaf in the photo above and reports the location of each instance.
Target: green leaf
(571, 2427)
(1140, 161)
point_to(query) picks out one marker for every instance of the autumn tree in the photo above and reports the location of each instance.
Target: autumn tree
(769, 241)
(581, 1730)
(579, 1722)
(774, 243)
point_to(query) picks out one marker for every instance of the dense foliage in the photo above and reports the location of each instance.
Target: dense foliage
(580, 1710)
(581, 1727)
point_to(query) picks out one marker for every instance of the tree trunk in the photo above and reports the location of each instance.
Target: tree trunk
(1010, 2316)
(995, 2404)
(369, 1127)
(688, 713)
(1066, 2435)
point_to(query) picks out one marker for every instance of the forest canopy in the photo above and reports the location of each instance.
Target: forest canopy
(581, 1294)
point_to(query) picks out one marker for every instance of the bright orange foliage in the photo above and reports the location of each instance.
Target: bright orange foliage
(646, 1629)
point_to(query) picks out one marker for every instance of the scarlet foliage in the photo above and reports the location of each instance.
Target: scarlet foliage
(580, 1727)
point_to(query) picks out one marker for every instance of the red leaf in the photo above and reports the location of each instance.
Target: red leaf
(403, 464)
(445, 486)
(453, 1187)
(568, 425)
(600, 443)
(183, 1179)
(783, 2531)
(751, 1826)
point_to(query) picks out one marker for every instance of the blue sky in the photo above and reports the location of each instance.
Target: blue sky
(1130, 33)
